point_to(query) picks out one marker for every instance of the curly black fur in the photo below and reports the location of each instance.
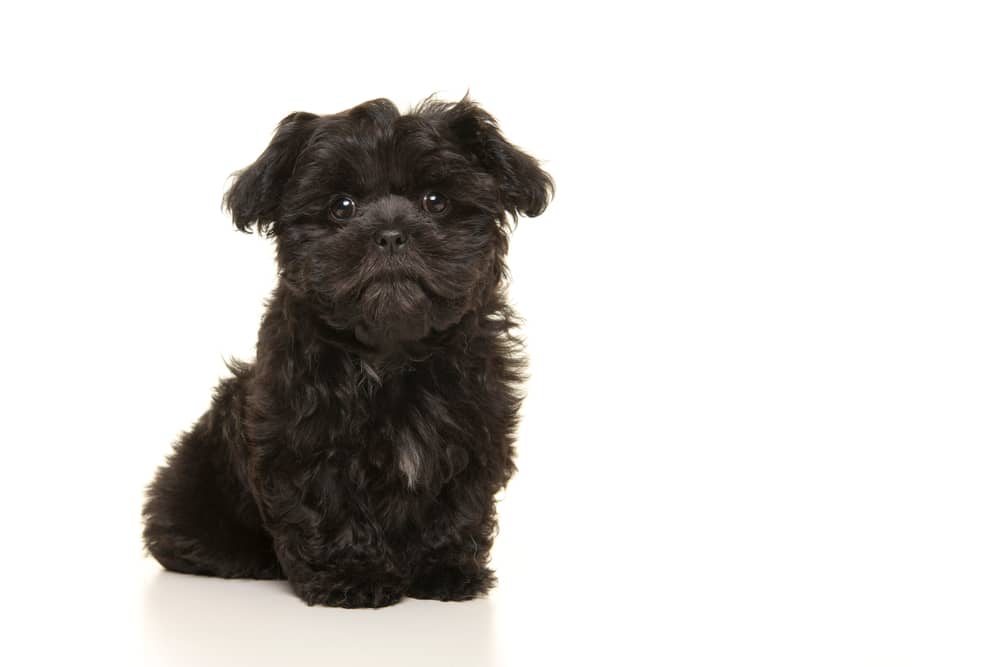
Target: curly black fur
(359, 456)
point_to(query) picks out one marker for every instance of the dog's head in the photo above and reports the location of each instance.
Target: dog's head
(390, 226)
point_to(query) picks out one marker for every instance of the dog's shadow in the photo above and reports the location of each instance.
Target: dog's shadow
(190, 620)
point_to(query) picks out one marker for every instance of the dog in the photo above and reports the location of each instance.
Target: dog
(359, 455)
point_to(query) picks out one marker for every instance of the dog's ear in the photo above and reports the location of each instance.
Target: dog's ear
(524, 187)
(255, 195)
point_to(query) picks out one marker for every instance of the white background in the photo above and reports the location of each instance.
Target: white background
(762, 424)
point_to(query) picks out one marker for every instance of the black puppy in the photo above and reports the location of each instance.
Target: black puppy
(360, 454)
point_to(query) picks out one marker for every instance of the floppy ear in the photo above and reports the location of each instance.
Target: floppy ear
(255, 196)
(524, 187)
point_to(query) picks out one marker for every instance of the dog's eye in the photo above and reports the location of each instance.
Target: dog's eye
(343, 208)
(435, 202)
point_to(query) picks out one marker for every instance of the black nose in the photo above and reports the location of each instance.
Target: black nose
(390, 241)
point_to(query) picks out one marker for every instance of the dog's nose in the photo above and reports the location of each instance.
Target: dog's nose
(390, 241)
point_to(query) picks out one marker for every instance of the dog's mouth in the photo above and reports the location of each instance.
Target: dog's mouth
(394, 310)
(385, 306)
(394, 293)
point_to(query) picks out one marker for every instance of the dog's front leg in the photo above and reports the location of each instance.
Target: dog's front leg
(456, 567)
(328, 555)
(347, 576)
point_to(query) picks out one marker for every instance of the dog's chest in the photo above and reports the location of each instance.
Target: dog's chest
(409, 458)
(416, 438)
(417, 448)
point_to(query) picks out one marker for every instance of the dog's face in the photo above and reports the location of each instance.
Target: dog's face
(390, 226)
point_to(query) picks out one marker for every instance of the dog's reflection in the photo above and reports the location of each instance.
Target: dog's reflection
(191, 620)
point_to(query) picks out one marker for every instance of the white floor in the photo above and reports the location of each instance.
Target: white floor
(141, 615)
(193, 621)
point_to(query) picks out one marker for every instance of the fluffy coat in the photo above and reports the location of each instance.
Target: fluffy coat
(360, 454)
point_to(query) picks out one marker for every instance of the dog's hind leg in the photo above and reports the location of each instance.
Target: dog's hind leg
(199, 516)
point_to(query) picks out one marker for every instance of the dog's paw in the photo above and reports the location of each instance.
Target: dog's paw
(350, 595)
(450, 582)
